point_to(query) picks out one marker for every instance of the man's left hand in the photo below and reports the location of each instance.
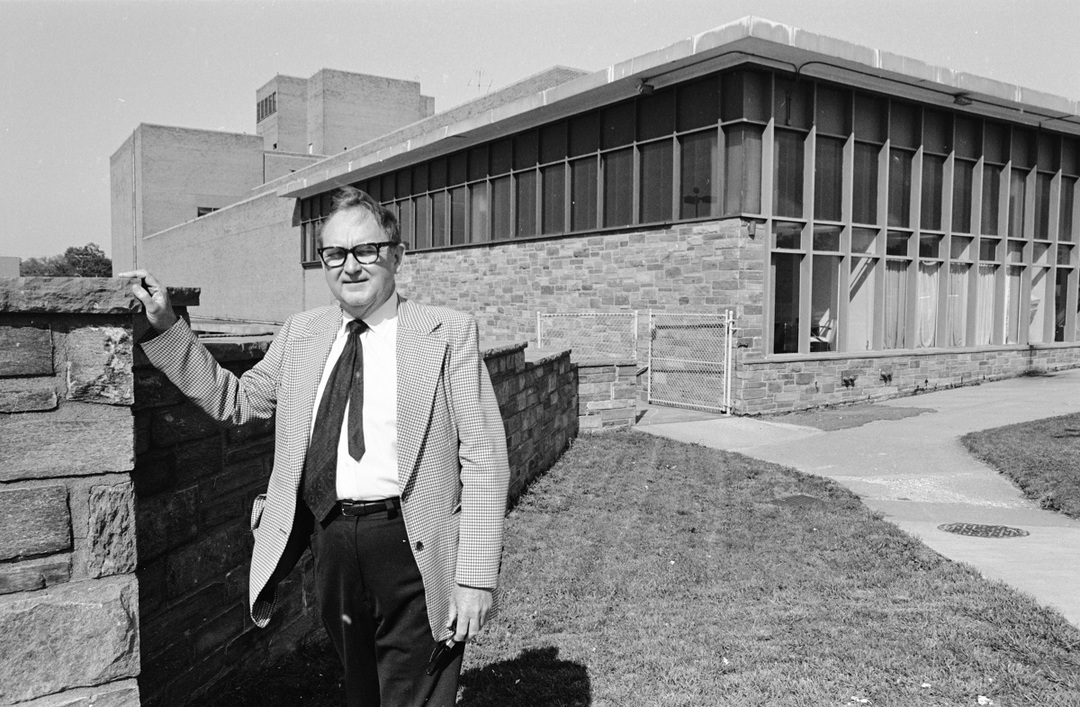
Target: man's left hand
(469, 607)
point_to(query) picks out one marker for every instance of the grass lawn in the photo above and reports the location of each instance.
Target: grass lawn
(641, 571)
(1041, 457)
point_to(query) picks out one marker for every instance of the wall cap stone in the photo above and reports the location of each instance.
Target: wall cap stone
(226, 349)
(79, 295)
(494, 349)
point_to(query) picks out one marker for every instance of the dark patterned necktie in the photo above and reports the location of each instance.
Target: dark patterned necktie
(345, 388)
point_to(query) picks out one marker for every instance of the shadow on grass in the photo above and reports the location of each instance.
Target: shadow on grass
(536, 678)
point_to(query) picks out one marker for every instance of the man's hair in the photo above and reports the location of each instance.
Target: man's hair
(348, 198)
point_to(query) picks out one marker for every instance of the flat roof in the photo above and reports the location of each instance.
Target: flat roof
(750, 39)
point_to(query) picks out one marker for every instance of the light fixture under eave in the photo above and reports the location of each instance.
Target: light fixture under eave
(962, 99)
(645, 88)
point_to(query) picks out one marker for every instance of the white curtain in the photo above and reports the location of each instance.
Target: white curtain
(1039, 307)
(860, 324)
(895, 303)
(958, 303)
(927, 305)
(1012, 304)
(984, 313)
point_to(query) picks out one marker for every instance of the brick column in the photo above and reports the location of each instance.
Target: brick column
(69, 620)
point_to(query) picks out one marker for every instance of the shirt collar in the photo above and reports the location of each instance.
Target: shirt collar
(379, 320)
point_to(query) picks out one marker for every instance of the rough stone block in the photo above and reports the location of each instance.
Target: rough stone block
(27, 394)
(37, 573)
(34, 521)
(68, 295)
(111, 538)
(79, 633)
(25, 351)
(76, 439)
(98, 365)
(122, 693)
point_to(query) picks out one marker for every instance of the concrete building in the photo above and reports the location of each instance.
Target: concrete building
(876, 226)
(335, 110)
(164, 176)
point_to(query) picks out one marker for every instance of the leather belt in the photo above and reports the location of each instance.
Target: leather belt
(364, 508)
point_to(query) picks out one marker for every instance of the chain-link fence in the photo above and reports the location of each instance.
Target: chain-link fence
(590, 335)
(690, 360)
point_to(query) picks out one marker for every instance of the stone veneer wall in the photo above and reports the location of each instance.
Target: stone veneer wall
(607, 393)
(69, 602)
(708, 266)
(798, 383)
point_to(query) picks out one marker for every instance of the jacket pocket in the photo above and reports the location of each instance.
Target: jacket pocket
(257, 511)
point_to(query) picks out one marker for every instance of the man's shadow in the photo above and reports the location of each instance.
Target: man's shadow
(536, 678)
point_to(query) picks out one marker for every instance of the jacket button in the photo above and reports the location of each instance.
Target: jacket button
(419, 545)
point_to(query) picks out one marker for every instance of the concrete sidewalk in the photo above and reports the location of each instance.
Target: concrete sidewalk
(915, 471)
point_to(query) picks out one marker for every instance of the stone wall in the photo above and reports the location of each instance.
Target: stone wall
(699, 267)
(607, 394)
(69, 603)
(798, 383)
(538, 400)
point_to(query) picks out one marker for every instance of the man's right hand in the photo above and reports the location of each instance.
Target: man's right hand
(155, 298)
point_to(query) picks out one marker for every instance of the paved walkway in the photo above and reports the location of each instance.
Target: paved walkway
(915, 471)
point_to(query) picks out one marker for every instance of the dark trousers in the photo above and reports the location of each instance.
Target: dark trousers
(371, 597)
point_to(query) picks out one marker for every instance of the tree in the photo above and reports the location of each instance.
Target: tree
(86, 261)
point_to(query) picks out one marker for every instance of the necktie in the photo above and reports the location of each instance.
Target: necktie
(344, 388)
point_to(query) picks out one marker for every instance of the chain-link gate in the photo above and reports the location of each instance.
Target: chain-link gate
(690, 360)
(590, 335)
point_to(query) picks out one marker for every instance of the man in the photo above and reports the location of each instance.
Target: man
(390, 461)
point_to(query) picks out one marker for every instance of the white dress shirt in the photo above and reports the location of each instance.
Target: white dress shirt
(375, 476)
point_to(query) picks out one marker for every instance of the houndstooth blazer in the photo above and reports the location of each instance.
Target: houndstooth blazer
(452, 463)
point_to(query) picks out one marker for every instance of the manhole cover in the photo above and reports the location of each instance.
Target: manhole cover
(977, 530)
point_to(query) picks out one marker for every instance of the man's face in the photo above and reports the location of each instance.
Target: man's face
(360, 288)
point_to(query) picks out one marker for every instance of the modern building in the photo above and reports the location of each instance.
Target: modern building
(165, 176)
(876, 226)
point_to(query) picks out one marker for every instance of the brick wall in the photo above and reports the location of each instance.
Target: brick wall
(538, 400)
(195, 483)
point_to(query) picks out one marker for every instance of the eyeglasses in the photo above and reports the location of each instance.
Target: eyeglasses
(365, 253)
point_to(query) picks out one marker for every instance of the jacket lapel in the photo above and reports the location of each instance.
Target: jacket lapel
(419, 363)
(313, 348)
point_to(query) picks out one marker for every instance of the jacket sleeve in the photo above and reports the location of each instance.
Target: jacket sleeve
(227, 398)
(485, 471)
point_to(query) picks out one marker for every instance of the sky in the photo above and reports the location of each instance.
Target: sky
(77, 77)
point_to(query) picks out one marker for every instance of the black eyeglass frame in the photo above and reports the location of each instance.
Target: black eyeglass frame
(365, 260)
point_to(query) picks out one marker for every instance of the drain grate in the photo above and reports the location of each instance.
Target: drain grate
(977, 530)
